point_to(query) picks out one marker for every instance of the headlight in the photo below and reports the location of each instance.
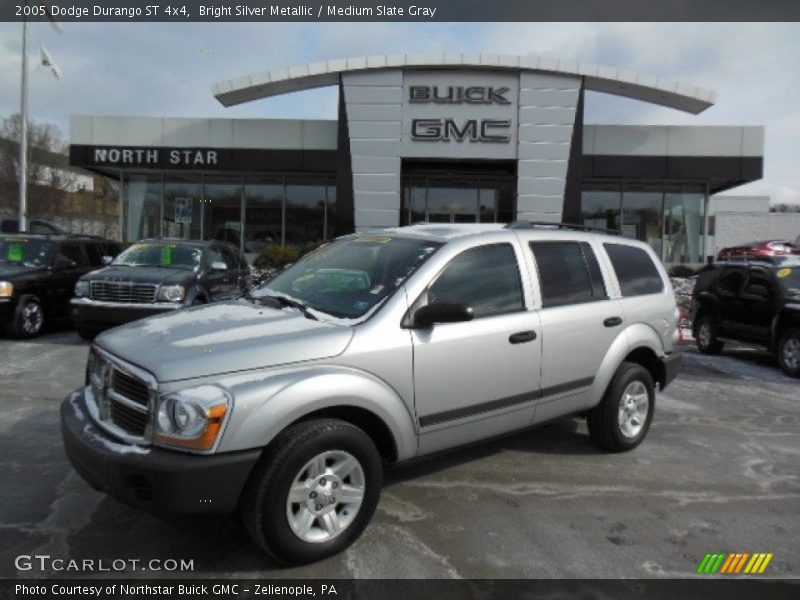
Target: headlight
(6, 289)
(171, 293)
(191, 418)
(81, 288)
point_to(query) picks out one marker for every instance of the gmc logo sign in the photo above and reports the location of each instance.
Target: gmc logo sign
(475, 94)
(474, 130)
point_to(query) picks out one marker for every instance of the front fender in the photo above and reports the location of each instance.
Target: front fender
(267, 403)
(633, 337)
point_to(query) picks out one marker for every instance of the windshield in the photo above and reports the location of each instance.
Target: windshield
(349, 277)
(158, 254)
(25, 251)
(789, 278)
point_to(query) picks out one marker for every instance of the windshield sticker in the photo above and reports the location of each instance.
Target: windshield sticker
(783, 273)
(375, 239)
(376, 290)
(167, 255)
(361, 305)
(15, 252)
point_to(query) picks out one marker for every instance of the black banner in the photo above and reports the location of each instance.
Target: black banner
(340, 589)
(425, 11)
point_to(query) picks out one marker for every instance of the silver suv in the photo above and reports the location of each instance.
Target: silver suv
(374, 349)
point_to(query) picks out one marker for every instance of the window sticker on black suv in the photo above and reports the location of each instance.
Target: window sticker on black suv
(635, 270)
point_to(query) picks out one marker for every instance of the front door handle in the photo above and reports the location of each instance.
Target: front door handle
(522, 337)
(612, 321)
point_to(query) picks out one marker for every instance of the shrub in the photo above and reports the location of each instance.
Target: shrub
(275, 256)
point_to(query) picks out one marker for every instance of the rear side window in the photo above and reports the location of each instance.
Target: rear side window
(568, 273)
(731, 281)
(636, 272)
(485, 278)
(74, 252)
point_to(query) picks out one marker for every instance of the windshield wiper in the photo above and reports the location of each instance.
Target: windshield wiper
(284, 301)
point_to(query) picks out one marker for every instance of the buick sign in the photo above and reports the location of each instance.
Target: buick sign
(473, 94)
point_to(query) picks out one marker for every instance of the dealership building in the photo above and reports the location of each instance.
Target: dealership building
(438, 138)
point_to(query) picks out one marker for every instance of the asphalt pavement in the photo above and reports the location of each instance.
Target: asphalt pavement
(718, 472)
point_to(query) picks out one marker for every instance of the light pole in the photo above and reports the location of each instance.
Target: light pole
(23, 142)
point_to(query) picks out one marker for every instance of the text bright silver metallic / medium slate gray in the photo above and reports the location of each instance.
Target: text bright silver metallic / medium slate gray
(375, 349)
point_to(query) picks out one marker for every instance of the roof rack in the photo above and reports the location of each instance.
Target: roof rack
(570, 226)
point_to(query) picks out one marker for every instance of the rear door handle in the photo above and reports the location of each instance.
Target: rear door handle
(522, 337)
(612, 321)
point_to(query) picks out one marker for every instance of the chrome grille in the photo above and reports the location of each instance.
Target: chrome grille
(130, 387)
(122, 397)
(127, 292)
(129, 419)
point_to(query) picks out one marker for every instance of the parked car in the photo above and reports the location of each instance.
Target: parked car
(756, 302)
(35, 226)
(372, 350)
(38, 274)
(154, 276)
(757, 249)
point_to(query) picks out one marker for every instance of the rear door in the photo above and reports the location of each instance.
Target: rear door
(216, 283)
(729, 303)
(579, 323)
(758, 304)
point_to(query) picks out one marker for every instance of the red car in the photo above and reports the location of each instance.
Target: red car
(754, 249)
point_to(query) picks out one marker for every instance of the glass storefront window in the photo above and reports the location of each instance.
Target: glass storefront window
(263, 213)
(601, 207)
(305, 211)
(182, 207)
(142, 206)
(222, 203)
(642, 215)
(684, 224)
(334, 228)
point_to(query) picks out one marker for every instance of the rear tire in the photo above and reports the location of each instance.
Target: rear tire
(28, 318)
(622, 419)
(788, 353)
(313, 492)
(706, 335)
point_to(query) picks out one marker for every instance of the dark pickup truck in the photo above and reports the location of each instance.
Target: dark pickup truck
(756, 302)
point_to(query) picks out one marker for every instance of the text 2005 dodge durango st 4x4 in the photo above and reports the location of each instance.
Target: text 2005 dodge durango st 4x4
(374, 349)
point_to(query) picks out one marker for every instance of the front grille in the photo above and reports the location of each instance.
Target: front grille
(127, 418)
(130, 387)
(130, 293)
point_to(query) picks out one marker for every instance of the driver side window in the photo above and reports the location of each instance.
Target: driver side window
(484, 278)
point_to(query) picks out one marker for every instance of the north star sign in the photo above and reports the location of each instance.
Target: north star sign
(142, 157)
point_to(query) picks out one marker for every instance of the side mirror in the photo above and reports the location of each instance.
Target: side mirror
(441, 312)
(218, 265)
(107, 260)
(65, 263)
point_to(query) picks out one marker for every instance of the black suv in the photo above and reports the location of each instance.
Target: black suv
(756, 302)
(38, 274)
(155, 276)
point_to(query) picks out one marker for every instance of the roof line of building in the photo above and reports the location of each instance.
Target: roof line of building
(620, 82)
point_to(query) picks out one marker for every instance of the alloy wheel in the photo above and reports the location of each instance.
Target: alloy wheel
(634, 405)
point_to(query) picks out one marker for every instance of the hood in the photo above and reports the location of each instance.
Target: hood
(157, 275)
(222, 338)
(9, 271)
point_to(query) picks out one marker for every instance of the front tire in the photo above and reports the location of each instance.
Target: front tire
(622, 419)
(314, 491)
(28, 318)
(788, 353)
(706, 335)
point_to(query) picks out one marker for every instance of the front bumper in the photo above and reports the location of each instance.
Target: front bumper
(159, 481)
(102, 315)
(671, 364)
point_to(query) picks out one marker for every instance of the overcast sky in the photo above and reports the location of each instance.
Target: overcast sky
(167, 70)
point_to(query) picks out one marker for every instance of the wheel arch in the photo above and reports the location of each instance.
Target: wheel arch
(638, 343)
(265, 408)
